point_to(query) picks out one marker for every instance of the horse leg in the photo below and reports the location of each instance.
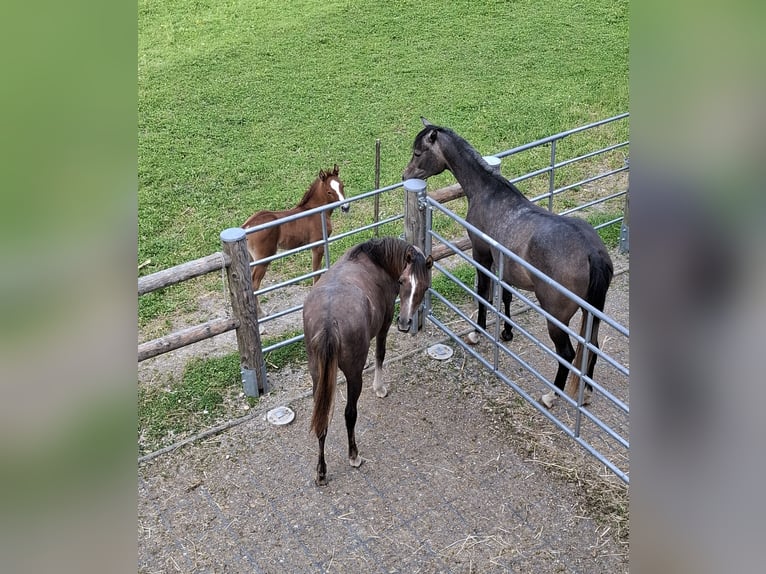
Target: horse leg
(483, 288)
(317, 253)
(354, 386)
(380, 354)
(573, 382)
(258, 273)
(261, 245)
(564, 350)
(321, 478)
(507, 333)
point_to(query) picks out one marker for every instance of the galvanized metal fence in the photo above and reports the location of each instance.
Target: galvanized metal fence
(601, 428)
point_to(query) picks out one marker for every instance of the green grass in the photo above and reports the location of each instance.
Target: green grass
(240, 103)
(451, 290)
(207, 392)
(289, 354)
(610, 234)
(188, 405)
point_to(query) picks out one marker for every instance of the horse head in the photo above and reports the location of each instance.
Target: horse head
(427, 156)
(414, 281)
(334, 187)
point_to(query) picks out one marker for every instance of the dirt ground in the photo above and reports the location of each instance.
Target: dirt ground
(459, 475)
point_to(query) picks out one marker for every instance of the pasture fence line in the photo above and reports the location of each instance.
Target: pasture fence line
(419, 207)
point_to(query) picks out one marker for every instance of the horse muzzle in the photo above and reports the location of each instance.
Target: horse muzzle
(403, 324)
(345, 207)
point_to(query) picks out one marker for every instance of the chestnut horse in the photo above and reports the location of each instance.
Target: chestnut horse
(327, 188)
(567, 249)
(351, 304)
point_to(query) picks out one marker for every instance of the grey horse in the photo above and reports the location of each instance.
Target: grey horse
(566, 249)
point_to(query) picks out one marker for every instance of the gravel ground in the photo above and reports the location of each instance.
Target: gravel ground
(459, 475)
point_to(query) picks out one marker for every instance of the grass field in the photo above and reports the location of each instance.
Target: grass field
(241, 102)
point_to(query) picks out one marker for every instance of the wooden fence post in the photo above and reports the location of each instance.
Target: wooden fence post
(415, 226)
(243, 307)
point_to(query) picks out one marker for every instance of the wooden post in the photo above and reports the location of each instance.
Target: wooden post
(252, 366)
(415, 226)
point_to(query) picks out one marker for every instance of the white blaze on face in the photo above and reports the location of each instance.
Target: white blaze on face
(336, 187)
(413, 285)
(413, 289)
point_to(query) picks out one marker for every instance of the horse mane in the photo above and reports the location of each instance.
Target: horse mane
(309, 192)
(385, 252)
(469, 150)
(390, 253)
(316, 183)
(467, 147)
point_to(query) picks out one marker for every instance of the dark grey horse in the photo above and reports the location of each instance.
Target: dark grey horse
(566, 249)
(352, 303)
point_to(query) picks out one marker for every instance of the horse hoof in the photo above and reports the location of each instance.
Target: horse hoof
(355, 462)
(547, 399)
(473, 337)
(381, 392)
(507, 336)
(321, 481)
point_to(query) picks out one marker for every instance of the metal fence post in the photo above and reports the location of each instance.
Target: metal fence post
(415, 225)
(243, 307)
(625, 228)
(494, 162)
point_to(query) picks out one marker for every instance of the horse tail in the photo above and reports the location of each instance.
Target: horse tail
(601, 272)
(326, 346)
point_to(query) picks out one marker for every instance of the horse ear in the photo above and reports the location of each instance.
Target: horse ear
(429, 262)
(426, 123)
(431, 136)
(322, 175)
(335, 169)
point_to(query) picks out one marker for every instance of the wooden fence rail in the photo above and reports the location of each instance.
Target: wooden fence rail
(182, 272)
(185, 337)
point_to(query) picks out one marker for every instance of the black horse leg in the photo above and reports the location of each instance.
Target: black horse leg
(321, 478)
(378, 384)
(574, 383)
(354, 390)
(484, 290)
(507, 333)
(591, 366)
(592, 357)
(564, 349)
